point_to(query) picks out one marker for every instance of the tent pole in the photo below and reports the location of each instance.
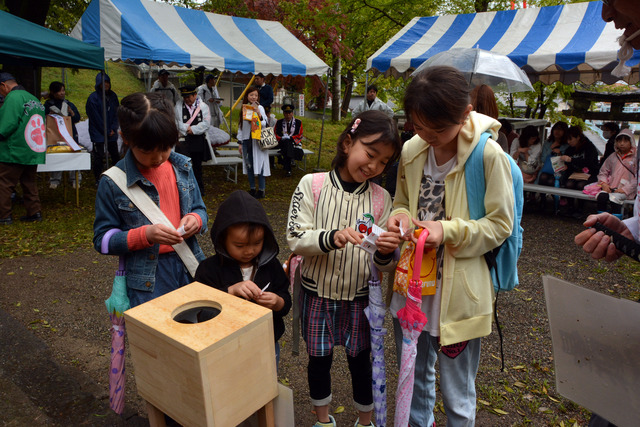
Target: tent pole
(324, 108)
(103, 75)
(366, 86)
(241, 96)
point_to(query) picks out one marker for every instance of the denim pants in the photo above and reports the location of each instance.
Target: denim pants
(247, 154)
(457, 381)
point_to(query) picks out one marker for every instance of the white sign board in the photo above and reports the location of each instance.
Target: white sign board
(596, 350)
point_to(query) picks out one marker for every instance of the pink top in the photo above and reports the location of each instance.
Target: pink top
(618, 171)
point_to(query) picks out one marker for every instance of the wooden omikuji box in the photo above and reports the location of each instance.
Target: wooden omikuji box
(212, 373)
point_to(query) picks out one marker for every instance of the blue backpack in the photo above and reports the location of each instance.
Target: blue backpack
(503, 260)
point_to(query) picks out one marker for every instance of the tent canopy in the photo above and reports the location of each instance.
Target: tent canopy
(556, 43)
(151, 32)
(25, 43)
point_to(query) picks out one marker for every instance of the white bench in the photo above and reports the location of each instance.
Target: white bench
(230, 164)
(305, 153)
(567, 192)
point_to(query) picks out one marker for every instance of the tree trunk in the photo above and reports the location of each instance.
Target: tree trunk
(33, 11)
(481, 5)
(335, 90)
(348, 90)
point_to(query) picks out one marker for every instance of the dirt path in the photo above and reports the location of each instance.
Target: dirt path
(60, 300)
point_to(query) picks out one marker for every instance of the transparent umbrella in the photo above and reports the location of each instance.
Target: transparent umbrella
(482, 67)
(375, 312)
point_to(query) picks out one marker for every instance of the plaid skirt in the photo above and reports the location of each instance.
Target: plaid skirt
(327, 323)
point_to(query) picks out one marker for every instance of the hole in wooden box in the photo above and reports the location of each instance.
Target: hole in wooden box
(196, 312)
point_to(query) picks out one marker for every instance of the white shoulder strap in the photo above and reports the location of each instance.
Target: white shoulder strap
(153, 214)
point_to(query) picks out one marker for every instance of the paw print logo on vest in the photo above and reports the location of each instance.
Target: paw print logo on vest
(35, 134)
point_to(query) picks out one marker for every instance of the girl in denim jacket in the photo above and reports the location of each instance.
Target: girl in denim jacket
(153, 268)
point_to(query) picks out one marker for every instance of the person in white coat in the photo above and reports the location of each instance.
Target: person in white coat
(256, 161)
(193, 120)
(372, 103)
(208, 92)
(165, 87)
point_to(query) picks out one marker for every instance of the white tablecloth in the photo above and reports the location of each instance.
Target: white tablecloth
(66, 162)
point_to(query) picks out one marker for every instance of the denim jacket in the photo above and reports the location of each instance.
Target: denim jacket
(115, 210)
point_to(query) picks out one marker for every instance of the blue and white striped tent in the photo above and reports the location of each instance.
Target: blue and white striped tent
(565, 43)
(151, 32)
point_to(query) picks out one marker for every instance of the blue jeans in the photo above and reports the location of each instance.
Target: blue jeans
(171, 274)
(247, 154)
(457, 381)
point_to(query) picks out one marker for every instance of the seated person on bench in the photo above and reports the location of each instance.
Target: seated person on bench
(617, 178)
(289, 134)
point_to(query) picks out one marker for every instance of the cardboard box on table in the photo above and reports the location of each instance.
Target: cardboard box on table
(213, 373)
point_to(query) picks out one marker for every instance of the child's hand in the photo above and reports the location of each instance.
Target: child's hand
(163, 235)
(270, 300)
(394, 222)
(348, 235)
(388, 241)
(435, 233)
(246, 289)
(605, 187)
(190, 225)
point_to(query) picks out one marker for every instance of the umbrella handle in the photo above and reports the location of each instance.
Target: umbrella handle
(417, 264)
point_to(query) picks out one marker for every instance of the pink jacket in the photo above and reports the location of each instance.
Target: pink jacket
(619, 172)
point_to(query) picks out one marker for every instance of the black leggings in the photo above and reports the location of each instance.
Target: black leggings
(547, 179)
(606, 205)
(319, 377)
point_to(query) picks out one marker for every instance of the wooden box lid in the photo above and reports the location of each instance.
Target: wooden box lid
(235, 314)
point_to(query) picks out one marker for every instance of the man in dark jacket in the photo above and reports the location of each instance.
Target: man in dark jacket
(246, 263)
(96, 125)
(22, 148)
(266, 93)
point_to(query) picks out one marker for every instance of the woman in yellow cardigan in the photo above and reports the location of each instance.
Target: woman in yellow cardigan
(431, 194)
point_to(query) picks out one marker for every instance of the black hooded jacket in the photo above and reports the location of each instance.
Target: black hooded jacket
(221, 271)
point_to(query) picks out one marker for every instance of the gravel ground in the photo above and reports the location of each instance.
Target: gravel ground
(60, 298)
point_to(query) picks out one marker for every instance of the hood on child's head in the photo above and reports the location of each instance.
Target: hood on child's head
(241, 207)
(99, 79)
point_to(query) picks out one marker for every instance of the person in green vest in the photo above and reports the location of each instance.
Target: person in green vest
(22, 148)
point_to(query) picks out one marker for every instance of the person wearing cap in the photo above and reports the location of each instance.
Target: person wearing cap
(372, 102)
(96, 125)
(165, 87)
(208, 92)
(22, 148)
(289, 134)
(193, 120)
(266, 93)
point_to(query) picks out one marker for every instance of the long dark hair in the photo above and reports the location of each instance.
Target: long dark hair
(527, 133)
(484, 101)
(438, 96)
(147, 121)
(562, 126)
(369, 122)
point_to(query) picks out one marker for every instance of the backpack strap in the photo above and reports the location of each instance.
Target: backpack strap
(475, 183)
(378, 201)
(474, 177)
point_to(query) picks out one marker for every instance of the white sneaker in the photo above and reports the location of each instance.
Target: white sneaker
(331, 423)
(357, 424)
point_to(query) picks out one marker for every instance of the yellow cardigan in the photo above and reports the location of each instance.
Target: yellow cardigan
(467, 291)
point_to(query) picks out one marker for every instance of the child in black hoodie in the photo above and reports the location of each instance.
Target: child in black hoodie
(246, 263)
